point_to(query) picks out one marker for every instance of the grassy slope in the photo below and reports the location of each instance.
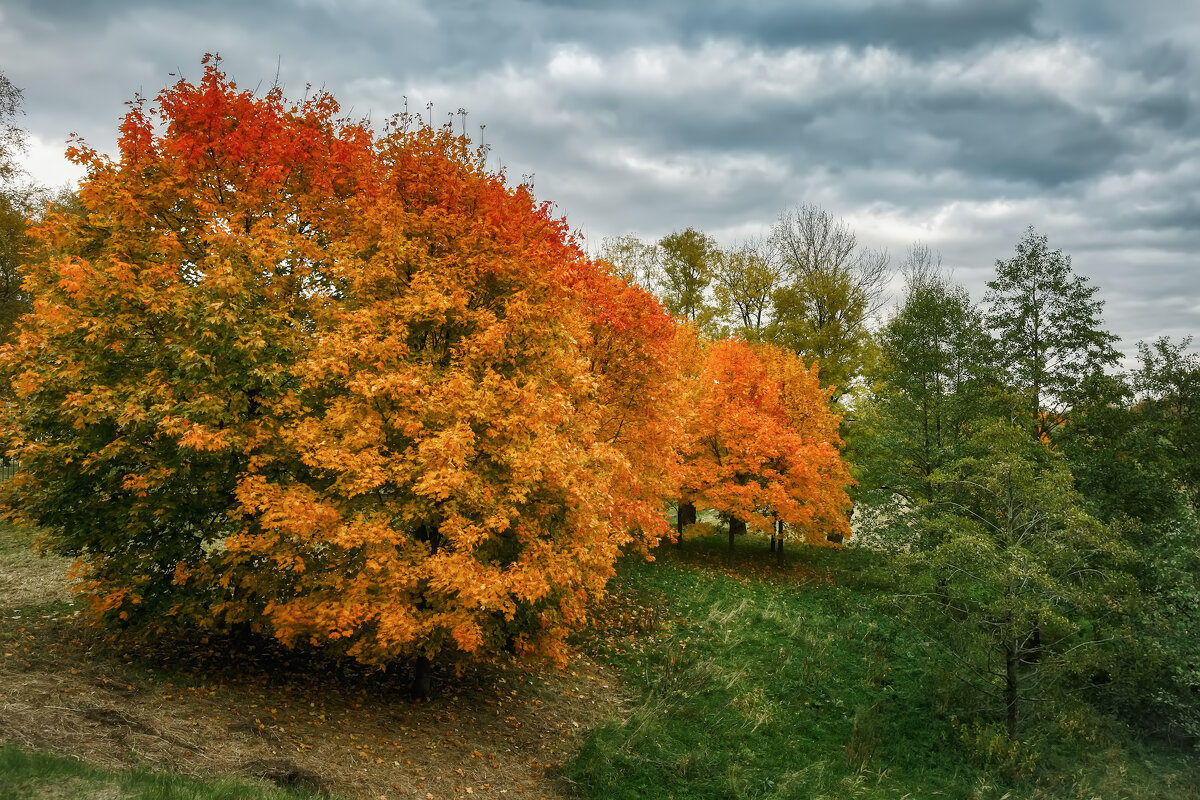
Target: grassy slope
(755, 684)
(24, 775)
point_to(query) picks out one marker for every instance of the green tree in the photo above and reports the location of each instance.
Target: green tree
(12, 136)
(685, 272)
(935, 377)
(1168, 387)
(832, 288)
(1047, 322)
(1131, 444)
(631, 258)
(1023, 584)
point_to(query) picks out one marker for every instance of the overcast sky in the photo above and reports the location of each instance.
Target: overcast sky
(954, 122)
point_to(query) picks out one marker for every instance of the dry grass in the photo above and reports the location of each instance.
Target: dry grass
(255, 712)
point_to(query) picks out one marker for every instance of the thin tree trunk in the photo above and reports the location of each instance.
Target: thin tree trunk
(685, 514)
(1010, 686)
(779, 544)
(736, 526)
(1035, 641)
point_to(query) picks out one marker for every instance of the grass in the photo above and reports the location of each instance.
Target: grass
(25, 775)
(797, 683)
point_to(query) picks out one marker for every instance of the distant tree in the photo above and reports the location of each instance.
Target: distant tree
(763, 446)
(1168, 386)
(935, 376)
(746, 278)
(831, 289)
(687, 264)
(12, 135)
(14, 300)
(632, 259)
(17, 205)
(1048, 327)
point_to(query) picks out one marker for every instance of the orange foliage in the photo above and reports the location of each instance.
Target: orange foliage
(352, 390)
(764, 444)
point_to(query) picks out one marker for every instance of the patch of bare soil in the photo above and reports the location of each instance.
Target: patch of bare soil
(247, 709)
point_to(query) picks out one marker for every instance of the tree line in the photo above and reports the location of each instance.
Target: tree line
(808, 287)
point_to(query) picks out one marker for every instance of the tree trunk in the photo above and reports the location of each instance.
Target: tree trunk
(1010, 686)
(685, 515)
(421, 678)
(779, 544)
(772, 543)
(736, 526)
(428, 532)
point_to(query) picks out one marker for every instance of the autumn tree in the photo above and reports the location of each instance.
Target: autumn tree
(1047, 323)
(807, 406)
(641, 360)
(831, 289)
(347, 390)
(763, 446)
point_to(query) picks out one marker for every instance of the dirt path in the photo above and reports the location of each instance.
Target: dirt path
(237, 709)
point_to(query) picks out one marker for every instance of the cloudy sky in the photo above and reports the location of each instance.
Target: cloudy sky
(954, 122)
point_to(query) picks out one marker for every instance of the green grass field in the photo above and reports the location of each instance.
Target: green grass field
(802, 683)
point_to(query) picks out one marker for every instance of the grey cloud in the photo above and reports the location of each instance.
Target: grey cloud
(1106, 163)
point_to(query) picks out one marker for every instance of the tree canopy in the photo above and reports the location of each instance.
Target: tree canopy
(350, 390)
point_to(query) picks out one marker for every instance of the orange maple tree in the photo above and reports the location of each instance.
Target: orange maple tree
(347, 389)
(763, 446)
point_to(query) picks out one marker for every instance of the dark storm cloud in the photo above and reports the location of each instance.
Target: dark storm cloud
(952, 121)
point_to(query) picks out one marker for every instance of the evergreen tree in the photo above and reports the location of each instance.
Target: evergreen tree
(1047, 323)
